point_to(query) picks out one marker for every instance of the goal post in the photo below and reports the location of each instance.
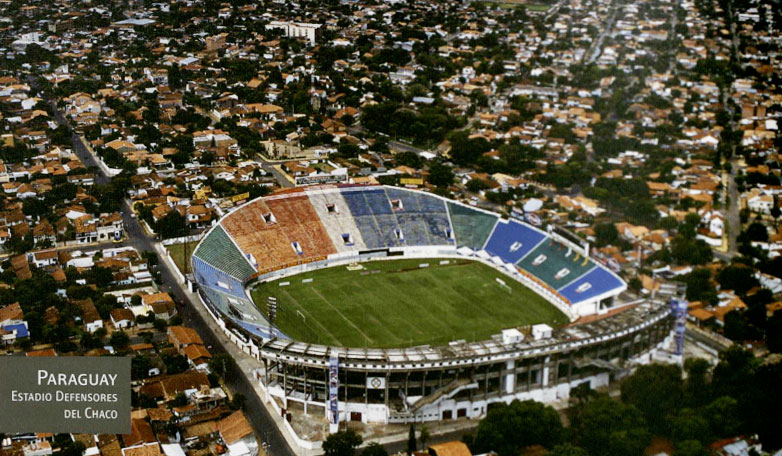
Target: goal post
(504, 285)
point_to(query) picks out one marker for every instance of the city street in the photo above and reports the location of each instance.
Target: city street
(263, 425)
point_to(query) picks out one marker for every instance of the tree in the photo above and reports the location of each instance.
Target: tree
(73, 449)
(221, 365)
(689, 425)
(774, 333)
(423, 436)
(722, 416)
(567, 449)
(696, 387)
(342, 443)
(180, 400)
(348, 150)
(737, 277)
(175, 364)
(171, 225)
(757, 232)
(238, 402)
(440, 175)
(139, 367)
(119, 340)
(656, 390)
(699, 286)
(736, 327)
(89, 341)
(374, 449)
(606, 427)
(691, 448)
(411, 447)
(466, 151)
(606, 233)
(509, 427)
(476, 185)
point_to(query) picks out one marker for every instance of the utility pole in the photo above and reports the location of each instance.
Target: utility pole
(186, 258)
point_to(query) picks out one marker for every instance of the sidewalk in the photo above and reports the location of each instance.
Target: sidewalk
(74, 246)
(246, 363)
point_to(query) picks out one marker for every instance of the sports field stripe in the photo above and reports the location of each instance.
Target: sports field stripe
(304, 310)
(404, 299)
(350, 322)
(421, 304)
(386, 327)
(366, 304)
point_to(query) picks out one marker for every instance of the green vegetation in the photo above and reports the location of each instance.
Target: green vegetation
(177, 252)
(396, 303)
(738, 397)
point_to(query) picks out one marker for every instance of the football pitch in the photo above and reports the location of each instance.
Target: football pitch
(398, 303)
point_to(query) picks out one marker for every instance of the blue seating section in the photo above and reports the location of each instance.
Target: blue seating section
(414, 227)
(430, 204)
(600, 281)
(378, 202)
(357, 203)
(209, 276)
(422, 219)
(409, 199)
(370, 232)
(260, 330)
(511, 241)
(388, 227)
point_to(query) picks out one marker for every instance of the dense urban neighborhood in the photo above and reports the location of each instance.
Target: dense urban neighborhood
(147, 146)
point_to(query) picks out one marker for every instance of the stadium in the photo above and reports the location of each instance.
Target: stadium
(388, 305)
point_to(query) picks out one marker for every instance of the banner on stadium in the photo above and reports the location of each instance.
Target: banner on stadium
(679, 309)
(240, 197)
(321, 179)
(411, 181)
(376, 382)
(334, 390)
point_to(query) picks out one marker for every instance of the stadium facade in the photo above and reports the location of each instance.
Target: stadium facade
(306, 229)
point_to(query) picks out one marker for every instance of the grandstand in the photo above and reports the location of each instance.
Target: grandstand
(272, 239)
(555, 264)
(219, 251)
(333, 212)
(471, 226)
(313, 228)
(422, 218)
(300, 223)
(597, 283)
(512, 240)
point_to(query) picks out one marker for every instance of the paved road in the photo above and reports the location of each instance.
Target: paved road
(78, 146)
(262, 423)
(597, 49)
(392, 144)
(267, 166)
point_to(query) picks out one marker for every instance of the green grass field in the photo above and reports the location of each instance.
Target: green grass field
(397, 304)
(178, 253)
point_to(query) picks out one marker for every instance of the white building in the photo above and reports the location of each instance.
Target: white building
(296, 29)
